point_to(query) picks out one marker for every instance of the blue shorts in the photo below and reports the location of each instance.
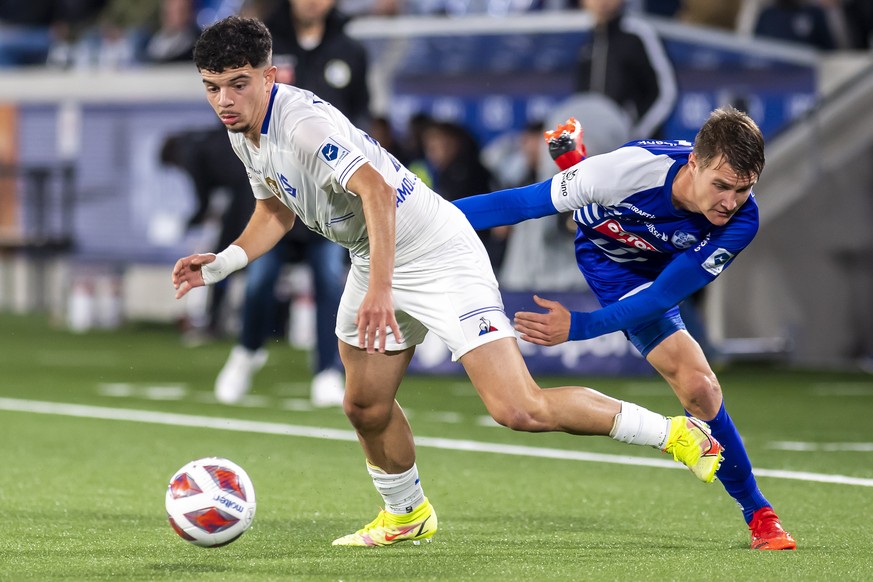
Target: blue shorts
(610, 282)
(648, 335)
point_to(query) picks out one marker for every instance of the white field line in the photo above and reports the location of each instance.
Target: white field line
(805, 447)
(275, 428)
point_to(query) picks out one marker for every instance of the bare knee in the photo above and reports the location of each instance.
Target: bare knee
(700, 393)
(368, 417)
(524, 416)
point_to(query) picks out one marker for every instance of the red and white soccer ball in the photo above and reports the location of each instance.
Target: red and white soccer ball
(210, 502)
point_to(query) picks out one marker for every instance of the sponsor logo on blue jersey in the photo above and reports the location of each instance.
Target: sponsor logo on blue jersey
(614, 230)
(717, 261)
(654, 230)
(659, 142)
(636, 210)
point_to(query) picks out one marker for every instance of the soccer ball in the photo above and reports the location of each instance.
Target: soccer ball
(210, 502)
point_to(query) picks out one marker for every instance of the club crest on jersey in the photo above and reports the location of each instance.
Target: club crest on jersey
(331, 153)
(485, 326)
(682, 240)
(717, 261)
(274, 186)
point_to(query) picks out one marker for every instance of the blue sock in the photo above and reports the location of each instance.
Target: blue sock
(735, 472)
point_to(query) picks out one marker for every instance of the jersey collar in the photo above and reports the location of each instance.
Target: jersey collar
(668, 186)
(266, 124)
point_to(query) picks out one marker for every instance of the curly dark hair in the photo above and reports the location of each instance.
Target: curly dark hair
(735, 136)
(232, 43)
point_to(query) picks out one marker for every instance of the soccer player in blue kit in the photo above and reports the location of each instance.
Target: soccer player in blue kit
(656, 221)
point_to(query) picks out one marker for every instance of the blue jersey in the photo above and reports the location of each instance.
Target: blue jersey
(640, 254)
(629, 230)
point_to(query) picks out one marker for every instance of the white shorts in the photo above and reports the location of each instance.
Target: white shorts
(450, 291)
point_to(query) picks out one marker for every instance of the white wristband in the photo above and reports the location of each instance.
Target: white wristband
(231, 259)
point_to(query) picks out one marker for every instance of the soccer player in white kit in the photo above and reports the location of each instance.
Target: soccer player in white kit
(417, 266)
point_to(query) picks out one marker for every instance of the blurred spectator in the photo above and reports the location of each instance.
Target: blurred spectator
(381, 131)
(445, 7)
(259, 9)
(112, 39)
(796, 21)
(313, 52)
(373, 7)
(174, 39)
(718, 14)
(858, 17)
(208, 159)
(665, 8)
(514, 158)
(625, 61)
(25, 31)
(453, 157)
(30, 29)
(413, 145)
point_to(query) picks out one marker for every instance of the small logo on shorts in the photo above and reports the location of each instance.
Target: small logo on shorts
(485, 326)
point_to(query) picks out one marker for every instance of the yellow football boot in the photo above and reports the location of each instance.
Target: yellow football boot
(691, 443)
(388, 529)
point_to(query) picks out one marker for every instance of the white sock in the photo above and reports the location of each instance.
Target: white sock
(636, 425)
(402, 493)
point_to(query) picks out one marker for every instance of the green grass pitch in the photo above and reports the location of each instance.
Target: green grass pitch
(82, 497)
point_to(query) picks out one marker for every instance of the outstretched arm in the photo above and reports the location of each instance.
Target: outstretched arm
(679, 280)
(508, 206)
(268, 224)
(515, 205)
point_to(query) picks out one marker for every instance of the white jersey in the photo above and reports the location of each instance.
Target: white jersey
(309, 151)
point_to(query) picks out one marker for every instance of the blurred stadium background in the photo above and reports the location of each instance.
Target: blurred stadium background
(100, 404)
(91, 220)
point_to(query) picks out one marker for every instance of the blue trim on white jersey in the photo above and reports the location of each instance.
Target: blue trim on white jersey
(353, 165)
(266, 124)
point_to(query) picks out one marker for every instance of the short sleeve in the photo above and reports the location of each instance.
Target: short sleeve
(607, 179)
